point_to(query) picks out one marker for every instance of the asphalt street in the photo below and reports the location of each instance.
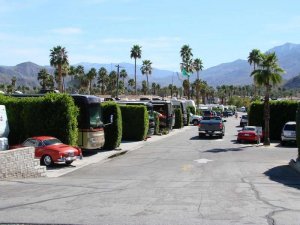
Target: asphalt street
(178, 179)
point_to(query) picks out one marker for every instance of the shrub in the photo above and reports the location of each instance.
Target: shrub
(53, 115)
(188, 110)
(178, 119)
(192, 109)
(280, 113)
(113, 132)
(135, 122)
(156, 121)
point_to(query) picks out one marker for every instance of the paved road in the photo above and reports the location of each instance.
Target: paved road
(180, 179)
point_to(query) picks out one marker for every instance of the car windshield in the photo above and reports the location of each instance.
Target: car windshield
(52, 141)
(95, 116)
(291, 127)
(244, 116)
(249, 128)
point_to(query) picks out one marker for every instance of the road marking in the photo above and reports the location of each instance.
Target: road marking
(203, 160)
(186, 168)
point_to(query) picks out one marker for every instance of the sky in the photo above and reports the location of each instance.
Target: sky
(104, 31)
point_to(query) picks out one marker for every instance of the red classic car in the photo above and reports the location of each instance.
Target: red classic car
(250, 134)
(50, 150)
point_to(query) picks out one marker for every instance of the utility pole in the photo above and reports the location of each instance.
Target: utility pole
(118, 75)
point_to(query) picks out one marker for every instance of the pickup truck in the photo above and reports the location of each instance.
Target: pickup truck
(211, 126)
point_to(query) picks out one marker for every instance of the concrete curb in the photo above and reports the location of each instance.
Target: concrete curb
(295, 165)
(108, 155)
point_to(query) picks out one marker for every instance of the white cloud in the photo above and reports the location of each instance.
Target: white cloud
(67, 31)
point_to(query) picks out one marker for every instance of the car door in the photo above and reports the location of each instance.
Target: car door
(39, 149)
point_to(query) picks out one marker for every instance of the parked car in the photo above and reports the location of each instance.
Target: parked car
(250, 134)
(244, 120)
(288, 133)
(50, 150)
(211, 126)
(195, 119)
(208, 113)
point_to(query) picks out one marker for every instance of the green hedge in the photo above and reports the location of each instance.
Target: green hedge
(156, 121)
(135, 122)
(188, 111)
(178, 119)
(113, 132)
(192, 109)
(280, 113)
(53, 115)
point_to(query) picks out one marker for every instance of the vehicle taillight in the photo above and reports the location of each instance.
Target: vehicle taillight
(221, 125)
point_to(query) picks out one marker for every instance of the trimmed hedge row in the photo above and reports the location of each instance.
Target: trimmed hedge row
(178, 119)
(156, 121)
(53, 115)
(113, 132)
(135, 122)
(280, 113)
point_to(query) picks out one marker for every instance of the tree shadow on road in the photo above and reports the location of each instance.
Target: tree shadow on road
(285, 175)
(219, 150)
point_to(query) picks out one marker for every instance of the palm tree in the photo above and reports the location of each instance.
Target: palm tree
(254, 58)
(102, 78)
(131, 83)
(90, 76)
(43, 75)
(267, 73)
(123, 75)
(146, 69)
(144, 87)
(58, 58)
(186, 87)
(153, 87)
(113, 81)
(198, 66)
(135, 53)
(187, 63)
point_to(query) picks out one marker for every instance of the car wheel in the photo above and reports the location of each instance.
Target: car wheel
(69, 162)
(47, 160)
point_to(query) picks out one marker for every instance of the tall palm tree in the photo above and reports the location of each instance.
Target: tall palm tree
(187, 63)
(102, 78)
(91, 76)
(255, 56)
(58, 58)
(146, 69)
(43, 75)
(136, 53)
(113, 81)
(267, 74)
(198, 66)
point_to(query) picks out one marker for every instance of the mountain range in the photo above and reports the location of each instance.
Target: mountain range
(232, 73)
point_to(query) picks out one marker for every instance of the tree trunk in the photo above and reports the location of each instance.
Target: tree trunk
(135, 76)
(147, 83)
(59, 78)
(267, 117)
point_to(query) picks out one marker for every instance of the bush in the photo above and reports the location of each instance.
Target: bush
(192, 109)
(280, 113)
(113, 132)
(178, 119)
(156, 121)
(188, 110)
(135, 122)
(51, 115)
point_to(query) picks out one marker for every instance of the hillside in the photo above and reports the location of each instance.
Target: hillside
(233, 73)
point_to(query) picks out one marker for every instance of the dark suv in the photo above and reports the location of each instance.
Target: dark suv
(208, 113)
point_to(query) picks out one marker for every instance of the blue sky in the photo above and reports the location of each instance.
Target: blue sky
(103, 31)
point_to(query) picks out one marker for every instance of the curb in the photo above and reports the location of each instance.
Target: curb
(295, 165)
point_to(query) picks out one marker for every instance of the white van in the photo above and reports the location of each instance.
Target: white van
(4, 128)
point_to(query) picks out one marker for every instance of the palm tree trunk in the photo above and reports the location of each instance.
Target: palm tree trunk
(267, 117)
(189, 87)
(59, 78)
(135, 76)
(147, 83)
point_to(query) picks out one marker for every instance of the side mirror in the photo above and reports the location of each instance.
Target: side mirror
(111, 119)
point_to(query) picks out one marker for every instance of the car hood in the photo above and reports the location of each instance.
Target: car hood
(61, 148)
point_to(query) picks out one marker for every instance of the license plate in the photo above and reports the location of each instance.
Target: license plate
(246, 135)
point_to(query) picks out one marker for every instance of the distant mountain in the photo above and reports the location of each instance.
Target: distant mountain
(238, 72)
(293, 83)
(233, 73)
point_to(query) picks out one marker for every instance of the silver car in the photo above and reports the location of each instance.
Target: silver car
(288, 133)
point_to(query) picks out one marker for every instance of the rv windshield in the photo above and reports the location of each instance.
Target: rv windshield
(95, 116)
